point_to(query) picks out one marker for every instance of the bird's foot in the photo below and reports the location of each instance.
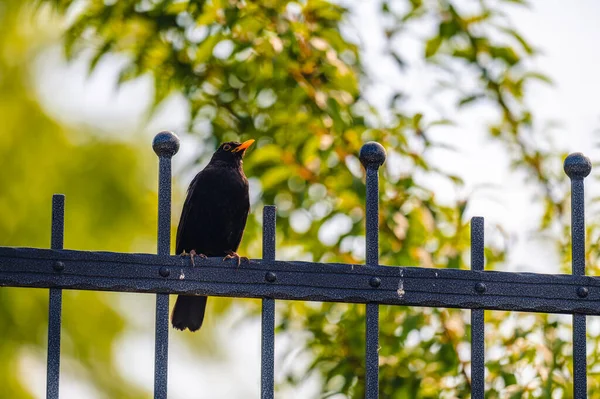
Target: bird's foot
(234, 255)
(192, 254)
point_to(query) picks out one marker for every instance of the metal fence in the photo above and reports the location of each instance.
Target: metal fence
(269, 279)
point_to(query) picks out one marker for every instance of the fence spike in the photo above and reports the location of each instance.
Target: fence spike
(372, 155)
(577, 166)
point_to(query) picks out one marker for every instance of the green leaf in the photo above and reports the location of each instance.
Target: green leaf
(448, 29)
(506, 54)
(432, 46)
(517, 36)
(99, 54)
(470, 99)
(537, 76)
(205, 49)
(275, 176)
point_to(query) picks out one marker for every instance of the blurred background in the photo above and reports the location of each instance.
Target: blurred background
(476, 102)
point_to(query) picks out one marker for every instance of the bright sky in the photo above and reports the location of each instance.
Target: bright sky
(567, 32)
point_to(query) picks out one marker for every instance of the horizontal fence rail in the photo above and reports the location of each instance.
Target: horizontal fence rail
(270, 280)
(329, 282)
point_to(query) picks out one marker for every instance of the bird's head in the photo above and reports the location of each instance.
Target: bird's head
(231, 152)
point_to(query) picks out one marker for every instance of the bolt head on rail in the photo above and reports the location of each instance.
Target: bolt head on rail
(372, 154)
(165, 144)
(577, 165)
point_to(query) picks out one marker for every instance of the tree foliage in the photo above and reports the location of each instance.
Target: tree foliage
(109, 205)
(283, 73)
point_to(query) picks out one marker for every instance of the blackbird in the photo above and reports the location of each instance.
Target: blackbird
(212, 221)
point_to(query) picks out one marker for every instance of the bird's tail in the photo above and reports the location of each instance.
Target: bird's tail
(189, 312)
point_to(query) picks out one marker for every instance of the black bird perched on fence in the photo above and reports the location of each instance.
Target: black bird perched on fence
(212, 221)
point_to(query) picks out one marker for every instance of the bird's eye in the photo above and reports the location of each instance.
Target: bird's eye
(226, 147)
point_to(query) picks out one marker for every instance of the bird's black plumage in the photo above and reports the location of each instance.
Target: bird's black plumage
(212, 220)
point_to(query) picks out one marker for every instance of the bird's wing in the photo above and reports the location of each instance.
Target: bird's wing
(237, 223)
(188, 214)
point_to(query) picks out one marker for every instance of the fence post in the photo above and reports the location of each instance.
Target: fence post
(55, 304)
(477, 315)
(165, 145)
(577, 167)
(267, 381)
(372, 156)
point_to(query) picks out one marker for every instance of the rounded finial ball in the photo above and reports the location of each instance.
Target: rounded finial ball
(372, 154)
(165, 144)
(577, 165)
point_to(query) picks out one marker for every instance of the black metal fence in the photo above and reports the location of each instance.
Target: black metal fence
(269, 279)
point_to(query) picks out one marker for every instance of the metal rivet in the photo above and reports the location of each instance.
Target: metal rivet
(582, 292)
(375, 282)
(164, 271)
(270, 277)
(480, 287)
(58, 266)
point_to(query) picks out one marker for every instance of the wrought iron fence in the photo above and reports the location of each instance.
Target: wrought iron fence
(269, 279)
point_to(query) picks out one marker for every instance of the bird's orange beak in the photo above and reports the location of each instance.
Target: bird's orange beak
(243, 146)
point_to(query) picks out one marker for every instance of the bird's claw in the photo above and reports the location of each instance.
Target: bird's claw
(234, 255)
(192, 254)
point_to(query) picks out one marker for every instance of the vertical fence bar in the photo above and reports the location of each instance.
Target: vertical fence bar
(372, 156)
(577, 167)
(267, 369)
(477, 315)
(165, 145)
(55, 305)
